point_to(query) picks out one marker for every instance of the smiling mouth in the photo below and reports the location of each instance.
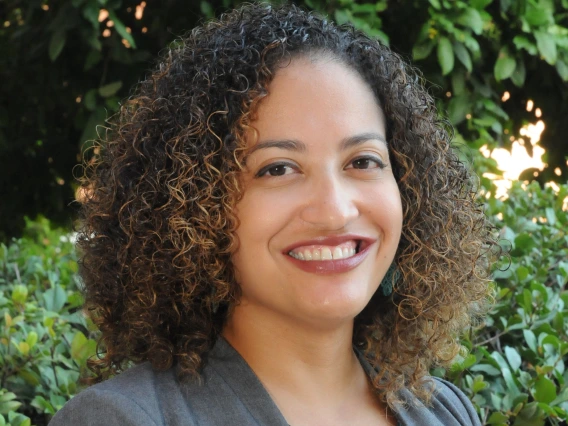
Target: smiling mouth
(320, 253)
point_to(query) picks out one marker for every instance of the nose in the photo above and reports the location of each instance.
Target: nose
(331, 204)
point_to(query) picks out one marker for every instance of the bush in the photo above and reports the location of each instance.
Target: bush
(44, 337)
(515, 372)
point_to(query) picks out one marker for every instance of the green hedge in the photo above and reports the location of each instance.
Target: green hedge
(515, 371)
(45, 339)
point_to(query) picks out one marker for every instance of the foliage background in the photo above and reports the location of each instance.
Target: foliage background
(66, 65)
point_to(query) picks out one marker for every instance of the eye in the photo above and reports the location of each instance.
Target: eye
(367, 162)
(276, 169)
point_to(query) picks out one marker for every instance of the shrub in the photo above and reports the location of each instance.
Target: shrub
(44, 337)
(515, 372)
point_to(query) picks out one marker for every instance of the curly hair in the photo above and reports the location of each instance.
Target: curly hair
(158, 227)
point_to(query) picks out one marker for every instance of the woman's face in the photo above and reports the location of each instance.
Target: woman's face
(321, 216)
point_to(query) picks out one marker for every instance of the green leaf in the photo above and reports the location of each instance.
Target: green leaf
(96, 118)
(91, 13)
(479, 385)
(458, 83)
(463, 55)
(121, 29)
(480, 4)
(530, 338)
(562, 69)
(545, 390)
(473, 46)
(18, 419)
(342, 16)
(422, 50)
(497, 418)
(546, 46)
(486, 368)
(90, 100)
(20, 294)
(500, 360)
(30, 376)
(93, 58)
(470, 360)
(524, 242)
(56, 44)
(32, 338)
(82, 348)
(527, 301)
(505, 65)
(519, 75)
(445, 55)
(435, 4)
(522, 273)
(563, 268)
(513, 357)
(8, 402)
(521, 42)
(472, 19)
(510, 382)
(381, 6)
(206, 9)
(43, 405)
(458, 108)
(550, 216)
(55, 298)
(562, 397)
(110, 89)
(424, 33)
(537, 16)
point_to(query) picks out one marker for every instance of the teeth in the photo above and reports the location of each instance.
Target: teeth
(324, 253)
(337, 253)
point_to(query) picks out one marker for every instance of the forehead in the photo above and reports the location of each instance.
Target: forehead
(322, 97)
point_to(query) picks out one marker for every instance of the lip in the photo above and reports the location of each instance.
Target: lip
(331, 266)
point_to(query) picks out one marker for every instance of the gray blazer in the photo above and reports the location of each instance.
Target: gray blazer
(230, 394)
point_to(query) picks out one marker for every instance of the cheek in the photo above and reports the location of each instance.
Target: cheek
(385, 207)
(261, 216)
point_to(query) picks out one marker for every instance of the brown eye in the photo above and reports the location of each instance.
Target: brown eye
(277, 170)
(363, 163)
(367, 162)
(273, 170)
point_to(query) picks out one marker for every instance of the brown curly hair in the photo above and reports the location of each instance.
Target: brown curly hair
(158, 227)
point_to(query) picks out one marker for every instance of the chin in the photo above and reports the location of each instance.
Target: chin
(335, 312)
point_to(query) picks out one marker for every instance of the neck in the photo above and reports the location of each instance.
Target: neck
(307, 361)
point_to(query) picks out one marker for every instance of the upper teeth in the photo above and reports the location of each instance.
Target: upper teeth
(342, 251)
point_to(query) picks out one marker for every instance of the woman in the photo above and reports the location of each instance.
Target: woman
(277, 232)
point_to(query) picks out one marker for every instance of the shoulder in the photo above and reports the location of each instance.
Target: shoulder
(450, 394)
(451, 401)
(127, 399)
(449, 407)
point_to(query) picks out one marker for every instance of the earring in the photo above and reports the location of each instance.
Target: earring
(392, 276)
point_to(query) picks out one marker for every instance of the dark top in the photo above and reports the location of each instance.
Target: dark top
(229, 394)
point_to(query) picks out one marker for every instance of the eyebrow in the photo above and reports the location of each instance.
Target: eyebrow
(298, 146)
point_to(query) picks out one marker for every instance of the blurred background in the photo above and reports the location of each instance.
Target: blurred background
(499, 69)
